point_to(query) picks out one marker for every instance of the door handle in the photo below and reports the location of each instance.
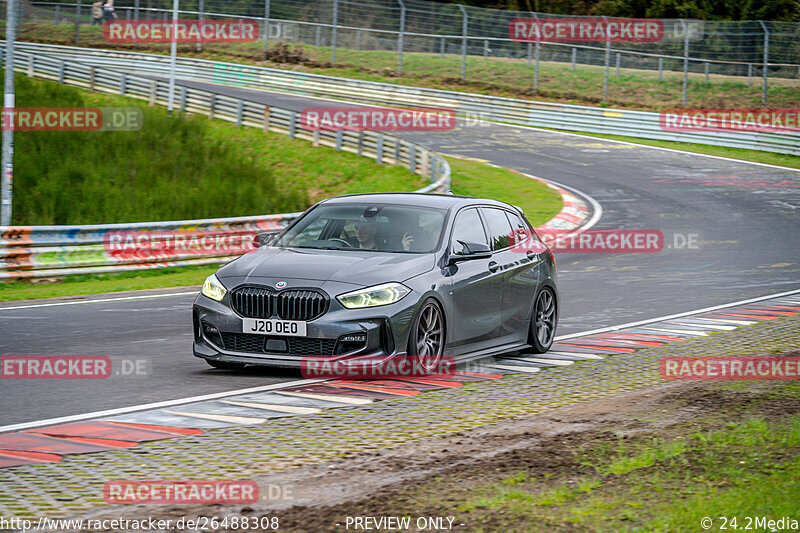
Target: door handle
(493, 266)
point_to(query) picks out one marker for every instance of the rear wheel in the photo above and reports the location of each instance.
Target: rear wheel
(543, 321)
(426, 341)
(224, 365)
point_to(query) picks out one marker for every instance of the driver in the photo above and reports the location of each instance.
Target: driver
(366, 230)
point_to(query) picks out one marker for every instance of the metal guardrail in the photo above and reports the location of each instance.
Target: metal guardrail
(44, 251)
(642, 124)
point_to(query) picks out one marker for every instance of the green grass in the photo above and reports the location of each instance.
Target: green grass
(174, 168)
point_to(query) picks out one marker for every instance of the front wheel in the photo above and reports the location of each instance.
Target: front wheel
(224, 365)
(543, 321)
(426, 340)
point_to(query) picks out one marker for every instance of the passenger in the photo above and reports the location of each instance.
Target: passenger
(97, 14)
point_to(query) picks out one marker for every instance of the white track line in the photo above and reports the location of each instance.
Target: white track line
(102, 300)
(156, 405)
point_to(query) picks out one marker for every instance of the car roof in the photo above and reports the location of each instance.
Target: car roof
(441, 201)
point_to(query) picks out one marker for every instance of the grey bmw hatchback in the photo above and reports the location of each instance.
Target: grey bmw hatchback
(382, 276)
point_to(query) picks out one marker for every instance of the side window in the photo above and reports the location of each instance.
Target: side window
(467, 228)
(499, 227)
(522, 231)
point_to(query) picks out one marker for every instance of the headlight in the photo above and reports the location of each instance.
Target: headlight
(385, 294)
(213, 288)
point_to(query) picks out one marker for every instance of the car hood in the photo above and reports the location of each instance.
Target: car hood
(355, 267)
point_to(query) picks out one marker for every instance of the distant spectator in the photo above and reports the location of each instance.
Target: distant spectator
(108, 10)
(97, 14)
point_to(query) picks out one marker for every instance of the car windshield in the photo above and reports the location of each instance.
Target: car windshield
(368, 227)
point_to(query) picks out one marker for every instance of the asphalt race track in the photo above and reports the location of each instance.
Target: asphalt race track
(745, 219)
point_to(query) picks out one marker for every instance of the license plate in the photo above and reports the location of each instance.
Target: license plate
(274, 326)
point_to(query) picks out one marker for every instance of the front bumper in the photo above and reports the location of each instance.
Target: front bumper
(384, 329)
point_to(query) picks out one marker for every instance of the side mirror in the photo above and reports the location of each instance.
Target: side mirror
(265, 239)
(472, 250)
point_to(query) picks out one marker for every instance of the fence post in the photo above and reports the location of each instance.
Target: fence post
(619, 56)
(685, 61)
(317, 37)
(485, 50)
(58, 14)
(441, 48)
(333, 30)
(749, 74)
(32, 66)
(78, 22)
(239, 112)
(61, 68)
(154, 94)
(660, 68)
(266, 25)
(379, 149)
(91, 78)
(464, 26)
(201, 17)
(315, 138)
(574, 57)
(136, 9)
(412, 158)
(536, 68)
(530, 53)
(607, 61)
(766, 62)
(182, 104)
(706, 67)
(400, 37)
(123, 82)
(339, 136)
(292, 124)
(358, 39)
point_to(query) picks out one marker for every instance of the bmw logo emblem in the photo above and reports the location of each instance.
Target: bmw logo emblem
(280, 285)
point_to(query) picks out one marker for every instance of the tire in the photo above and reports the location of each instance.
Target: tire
(224, 365)
(427, 335)
(544, 320)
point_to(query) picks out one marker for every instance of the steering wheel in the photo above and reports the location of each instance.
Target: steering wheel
(341, 241)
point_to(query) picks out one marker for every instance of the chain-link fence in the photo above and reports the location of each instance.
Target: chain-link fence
(474, 44)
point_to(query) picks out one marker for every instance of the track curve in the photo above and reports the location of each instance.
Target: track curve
(747, 217)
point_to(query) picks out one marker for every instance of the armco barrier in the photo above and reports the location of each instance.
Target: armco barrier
(630, 123)
(47, 251)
